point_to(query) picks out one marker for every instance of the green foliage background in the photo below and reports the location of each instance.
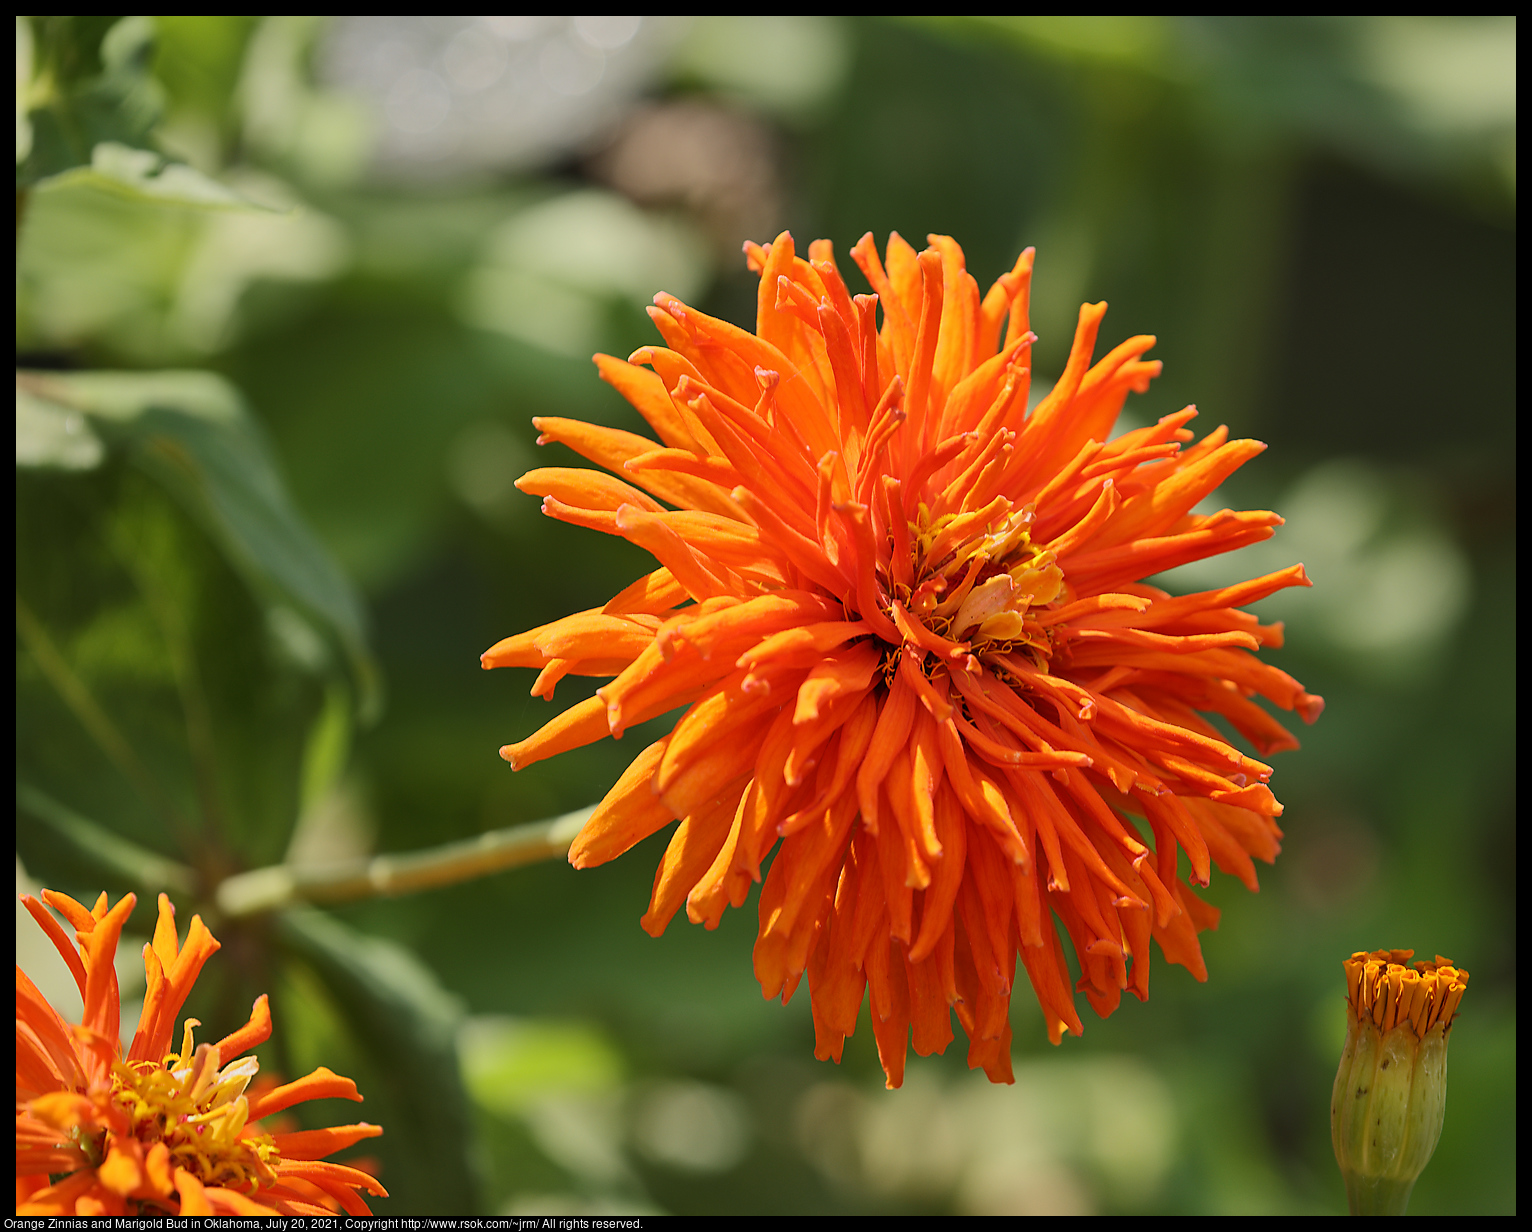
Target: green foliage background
(274, 405)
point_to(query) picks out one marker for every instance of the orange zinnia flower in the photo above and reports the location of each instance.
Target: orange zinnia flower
(908, 620)
(159, 1131)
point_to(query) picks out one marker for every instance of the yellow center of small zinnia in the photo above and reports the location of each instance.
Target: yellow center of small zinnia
(199, 1112)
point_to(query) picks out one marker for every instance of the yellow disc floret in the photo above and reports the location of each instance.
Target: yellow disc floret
(199, 1112)
(979, 574)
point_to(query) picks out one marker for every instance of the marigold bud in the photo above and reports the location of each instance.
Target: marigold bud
(1391, 1089)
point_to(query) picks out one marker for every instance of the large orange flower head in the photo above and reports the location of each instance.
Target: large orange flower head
(908, 620)
(159, 1131)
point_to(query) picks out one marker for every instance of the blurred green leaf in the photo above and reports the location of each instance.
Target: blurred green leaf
(327, 749)
(1417, 94)
(86, 109)
(86, 710)
(191, 431)
(154, 692)
(97, 848)
(1141, 40)
(81, 81)
(144, 175)
(510, 1063)
(51, 435)
(791, 64)
(321, 136)
(407, 1023)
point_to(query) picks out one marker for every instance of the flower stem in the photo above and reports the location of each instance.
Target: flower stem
(267, 889)
(1376, 1195)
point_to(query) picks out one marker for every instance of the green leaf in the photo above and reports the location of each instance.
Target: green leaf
(407, 1023)
(327, 749)
(81, 81)
(100, 849)
(510, 1064)
(86, 109)
(190, 430)
(51, 435)
(143, 175)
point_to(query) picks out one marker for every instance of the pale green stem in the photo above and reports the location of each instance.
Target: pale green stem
(1378, 1195)
(280, 885)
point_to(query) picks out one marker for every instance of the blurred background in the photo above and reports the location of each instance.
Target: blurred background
(405, 236)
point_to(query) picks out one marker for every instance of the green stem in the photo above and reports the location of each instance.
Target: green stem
(280, 885)
(1375, 1195)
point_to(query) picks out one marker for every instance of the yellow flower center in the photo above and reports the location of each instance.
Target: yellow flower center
(978, 574)
(199, 1112)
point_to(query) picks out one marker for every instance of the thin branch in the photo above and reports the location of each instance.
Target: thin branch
(266, 889)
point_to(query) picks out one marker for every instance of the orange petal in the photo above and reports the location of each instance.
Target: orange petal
(317, 1143)
(321, 1084)
(254, 1033)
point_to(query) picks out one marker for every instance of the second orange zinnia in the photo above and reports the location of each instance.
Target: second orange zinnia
(909, 622)
(152, 1131)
